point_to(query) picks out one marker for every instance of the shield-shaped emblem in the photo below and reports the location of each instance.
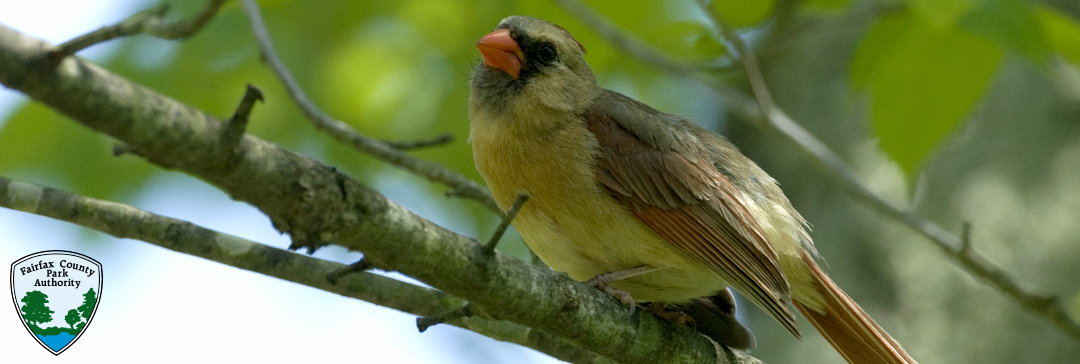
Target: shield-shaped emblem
(56, 294)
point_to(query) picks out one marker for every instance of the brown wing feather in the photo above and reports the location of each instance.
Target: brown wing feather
(688, 202)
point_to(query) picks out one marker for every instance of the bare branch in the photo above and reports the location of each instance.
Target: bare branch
(965, 237)
(746, 57)
(120, 149)
(238, 122)
(493, 242)
(438, 140)
(359, 266)
(144, 22)
(649, 55)
(125, 221)
(341, 131)
(423, 323)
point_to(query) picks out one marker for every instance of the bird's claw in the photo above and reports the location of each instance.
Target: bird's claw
(660, 309)
(603, 283)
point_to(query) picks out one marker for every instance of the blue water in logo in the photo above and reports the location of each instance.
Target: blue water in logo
(57, 342)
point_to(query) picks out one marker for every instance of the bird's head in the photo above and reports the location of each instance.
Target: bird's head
(531, 66)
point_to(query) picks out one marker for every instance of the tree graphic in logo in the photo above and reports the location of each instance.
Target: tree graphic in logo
(35, 311)
(74, 317)
(87, 308)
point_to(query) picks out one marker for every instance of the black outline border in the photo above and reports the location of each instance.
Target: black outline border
(18, 310)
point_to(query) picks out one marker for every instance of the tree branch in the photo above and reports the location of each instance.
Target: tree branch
(438, 140)
(144, 22)
(634, 47)
(126, 222)
(768, 115)
(238, 122)
(315, 203)
(344, 134)
(512, 212)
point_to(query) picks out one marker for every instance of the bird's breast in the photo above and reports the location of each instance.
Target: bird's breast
(571, 222)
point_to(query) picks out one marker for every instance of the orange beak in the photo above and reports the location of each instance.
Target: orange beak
(501, 51)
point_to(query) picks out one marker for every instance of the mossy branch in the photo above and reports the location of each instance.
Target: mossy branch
(123, 221)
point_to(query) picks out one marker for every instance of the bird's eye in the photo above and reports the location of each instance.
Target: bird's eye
(546, 53)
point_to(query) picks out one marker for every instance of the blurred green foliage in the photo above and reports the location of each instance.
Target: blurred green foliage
(745, 13)
(939, 13)
(1061, 32)
(946, 90)
(922, 81)
(927, 67)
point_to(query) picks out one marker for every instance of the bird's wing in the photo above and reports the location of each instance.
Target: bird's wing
(667, 178)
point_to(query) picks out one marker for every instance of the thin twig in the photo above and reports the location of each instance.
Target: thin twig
(535, 259)
(438, 140)
(746, 57)
(455, 192)
(188, 27)
(238, 122)
(121, 149)
(360, 266)
(649, 55)
(144, 22)
(506, 220)
(343, 133)
(130, 26)
(423, 323)
(965, 237)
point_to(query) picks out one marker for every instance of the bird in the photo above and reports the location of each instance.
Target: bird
(646, 205)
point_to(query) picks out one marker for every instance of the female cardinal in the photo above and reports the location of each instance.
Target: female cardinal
(649, 205)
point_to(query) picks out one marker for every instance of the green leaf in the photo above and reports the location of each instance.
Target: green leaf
(923, 80)
(1010, 23)
(741, 13)
(878, 45)
(939, 13)
(1062, 33)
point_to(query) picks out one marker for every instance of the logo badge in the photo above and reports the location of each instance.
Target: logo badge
(56, 293)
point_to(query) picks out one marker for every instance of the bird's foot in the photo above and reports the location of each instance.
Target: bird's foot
(603, 283)
(660, 309)
(714, 316)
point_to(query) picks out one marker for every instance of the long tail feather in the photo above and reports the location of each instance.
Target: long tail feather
(848, 328)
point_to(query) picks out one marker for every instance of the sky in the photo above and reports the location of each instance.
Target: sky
(168, 307)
